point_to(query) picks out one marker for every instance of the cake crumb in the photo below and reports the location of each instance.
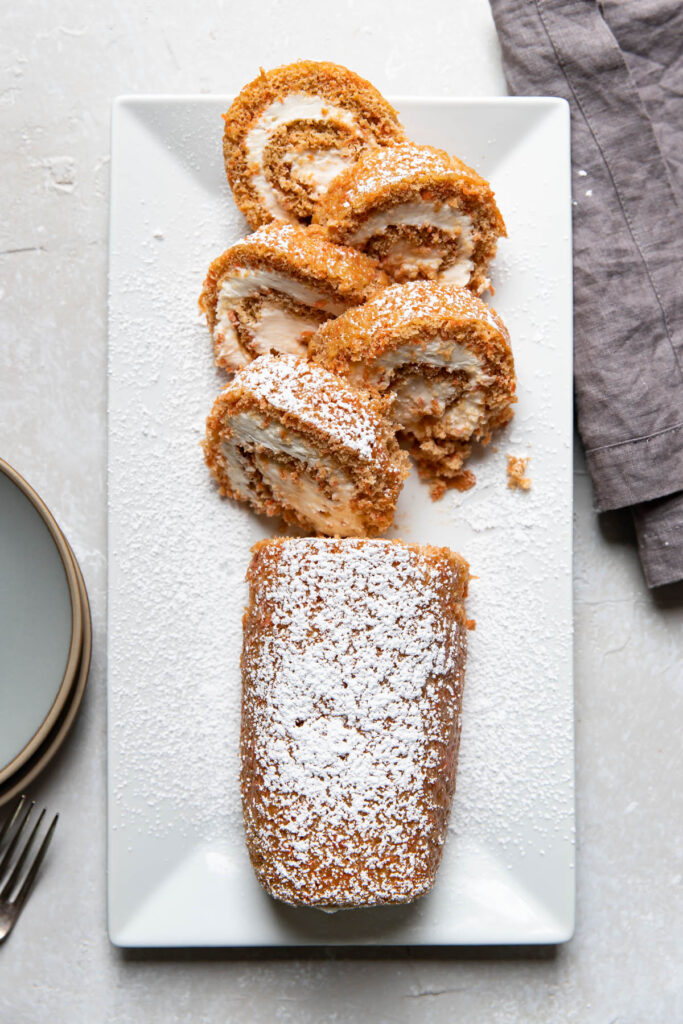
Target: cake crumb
(517, 481)
(464, 481)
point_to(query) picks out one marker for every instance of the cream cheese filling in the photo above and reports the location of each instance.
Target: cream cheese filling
(404, 254)
(275, 328)
(237, 468)
(317, 169)
(463, 418)
(252, 431)
(298, 488)
(418, 396)
(281, 331)
(436, 352)
(458, 273)
(247, 281)
(415, 397)
(228, 347)
(420, 213)
(294, 107)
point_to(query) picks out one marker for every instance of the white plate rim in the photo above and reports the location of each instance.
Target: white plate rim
(75, 644)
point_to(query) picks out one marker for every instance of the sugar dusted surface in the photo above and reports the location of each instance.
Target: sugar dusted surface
(402, 304)
(315, 396)
(356, 638)
(396, 164)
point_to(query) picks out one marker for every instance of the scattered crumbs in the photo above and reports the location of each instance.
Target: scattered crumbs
(159, 235)
(464, 481)
(516, 469)
(589, 192)
(582, 173)
(437, 489)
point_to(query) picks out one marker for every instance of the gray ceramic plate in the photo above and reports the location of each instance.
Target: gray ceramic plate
(41, 622)
(41, 757)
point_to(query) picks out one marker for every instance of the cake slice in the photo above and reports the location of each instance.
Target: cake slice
(443, 356)
(422, 213)
(272, 290)
(293, 439)
(292, 130)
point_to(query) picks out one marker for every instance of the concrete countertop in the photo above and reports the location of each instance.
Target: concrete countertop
(61, 66)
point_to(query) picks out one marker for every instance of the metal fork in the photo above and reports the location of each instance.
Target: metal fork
(11, 835)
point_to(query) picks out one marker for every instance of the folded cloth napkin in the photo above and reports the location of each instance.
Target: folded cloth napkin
(620, 66)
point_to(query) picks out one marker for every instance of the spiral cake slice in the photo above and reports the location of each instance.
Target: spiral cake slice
(446, 359)
(295, 440)
(353, 666)
(292, 130)
(272, 290)
(419, 211)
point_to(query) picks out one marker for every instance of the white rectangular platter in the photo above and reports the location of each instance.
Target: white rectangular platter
(179, 874)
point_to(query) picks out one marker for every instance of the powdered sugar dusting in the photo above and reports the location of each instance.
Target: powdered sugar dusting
(311, 254)
(352, 692)
(171, 540)
(314, 395)
(401, 165)
(416, 299)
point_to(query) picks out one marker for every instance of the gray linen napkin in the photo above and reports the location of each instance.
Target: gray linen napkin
(620, 66)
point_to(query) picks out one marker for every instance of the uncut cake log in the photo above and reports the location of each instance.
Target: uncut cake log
(445, 358)
(295, 440)
(292, 130)
(353, 666)
(421, 213)
(272, 290)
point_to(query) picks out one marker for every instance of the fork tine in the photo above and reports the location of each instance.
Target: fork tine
(33, 870)
(7, 859)
(12, 817)
(14, 877)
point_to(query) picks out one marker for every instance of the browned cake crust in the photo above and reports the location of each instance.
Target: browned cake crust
(353, 667)
(271, 290)
(441, 246)
(279, 172)
(445, 357)
(295, 440)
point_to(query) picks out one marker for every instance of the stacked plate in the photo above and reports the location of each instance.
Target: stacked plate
(45, 635)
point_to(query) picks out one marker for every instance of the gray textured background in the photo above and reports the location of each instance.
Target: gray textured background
(60, 66)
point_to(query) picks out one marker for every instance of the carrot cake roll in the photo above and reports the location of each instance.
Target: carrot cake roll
(419, 211)
(272, 290)
(445, 357)
(295, 440)
(353, 666)
(292, 130)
